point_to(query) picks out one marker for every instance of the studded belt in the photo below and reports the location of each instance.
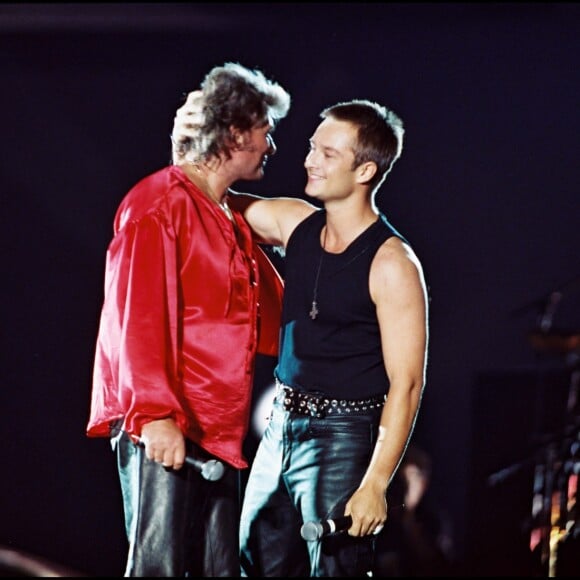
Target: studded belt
(319, 406)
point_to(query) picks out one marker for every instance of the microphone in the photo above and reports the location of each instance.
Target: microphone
(210, 469)
(312, 531)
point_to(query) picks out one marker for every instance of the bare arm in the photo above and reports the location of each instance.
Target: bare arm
(271, 219)
(398, 289)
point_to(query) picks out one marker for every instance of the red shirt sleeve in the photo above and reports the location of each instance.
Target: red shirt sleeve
(139, 324)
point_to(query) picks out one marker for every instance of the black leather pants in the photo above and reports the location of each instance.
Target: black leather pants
(305, 469)
(178, 524)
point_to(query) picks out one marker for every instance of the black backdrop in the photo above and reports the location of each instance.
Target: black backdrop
(486, 190)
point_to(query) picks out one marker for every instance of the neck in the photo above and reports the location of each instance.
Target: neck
(342, 227)
(206, 179)
(210, 183)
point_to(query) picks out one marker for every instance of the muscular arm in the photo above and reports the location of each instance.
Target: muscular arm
(399, 292)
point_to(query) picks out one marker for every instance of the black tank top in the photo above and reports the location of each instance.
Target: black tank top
(339, 352)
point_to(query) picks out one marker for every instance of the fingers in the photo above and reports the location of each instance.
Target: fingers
(365, 527)
(371, 530)
(186, 135)
(163, 443)
(193, 97)
(170, 458)
(190, 114)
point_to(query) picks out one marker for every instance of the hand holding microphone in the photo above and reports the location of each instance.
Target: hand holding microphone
(312, 531)
(210, 469)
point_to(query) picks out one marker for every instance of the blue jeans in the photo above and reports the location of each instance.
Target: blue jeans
(305, 469)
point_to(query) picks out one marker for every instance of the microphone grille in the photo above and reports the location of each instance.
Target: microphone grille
(311, 531)
(212, 470)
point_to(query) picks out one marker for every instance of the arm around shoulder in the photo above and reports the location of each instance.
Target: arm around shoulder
(272, 219)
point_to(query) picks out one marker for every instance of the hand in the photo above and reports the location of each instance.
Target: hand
(164, 443)
(186, 136)
(368, 511)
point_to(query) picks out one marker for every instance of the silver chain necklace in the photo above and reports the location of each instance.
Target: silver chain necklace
(314, 309)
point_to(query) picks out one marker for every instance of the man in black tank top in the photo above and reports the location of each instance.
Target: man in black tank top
(352, 362)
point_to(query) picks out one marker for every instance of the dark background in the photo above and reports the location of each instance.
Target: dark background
(486, 190)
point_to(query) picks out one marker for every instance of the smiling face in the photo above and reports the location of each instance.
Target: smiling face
(330, 160)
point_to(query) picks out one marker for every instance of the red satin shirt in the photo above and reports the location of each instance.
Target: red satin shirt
(188, 301)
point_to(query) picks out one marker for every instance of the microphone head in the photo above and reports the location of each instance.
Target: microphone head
(212, 470)
(311, 531)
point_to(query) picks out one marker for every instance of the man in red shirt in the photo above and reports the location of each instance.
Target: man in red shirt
(189, 300)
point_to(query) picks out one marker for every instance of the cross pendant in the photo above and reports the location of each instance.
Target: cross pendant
(314, 310)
